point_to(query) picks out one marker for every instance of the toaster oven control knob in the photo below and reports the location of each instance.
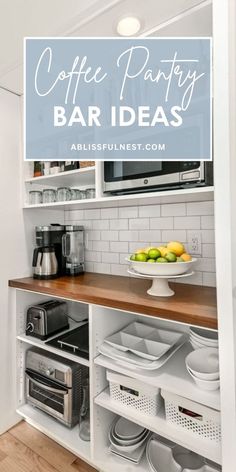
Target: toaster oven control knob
(30, 328)
(49, 371)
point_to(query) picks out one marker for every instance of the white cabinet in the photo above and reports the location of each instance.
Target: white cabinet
(172, 377)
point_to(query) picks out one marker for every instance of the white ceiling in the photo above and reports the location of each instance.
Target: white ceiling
(20, 18)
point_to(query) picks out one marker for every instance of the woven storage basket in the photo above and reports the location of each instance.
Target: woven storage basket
(134, 393)
(193, 417)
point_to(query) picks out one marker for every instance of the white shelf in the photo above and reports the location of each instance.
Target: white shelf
(83, 176)
(42, 344)
(159, 425)
(68, 438)
(168, 196)
(173, 377)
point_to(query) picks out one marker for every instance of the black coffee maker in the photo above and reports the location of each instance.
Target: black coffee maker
(51, 236)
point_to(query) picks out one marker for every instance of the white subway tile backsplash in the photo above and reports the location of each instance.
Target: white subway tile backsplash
(123, 257)
(173, 235)
(110, 257)
(209, 279)
(208, 250)
(94, 214)
(128, 212)
(109, 235)
(206, 264)
(94, 235)
(87, 224)
(100, 224)
(208, 236)
(195, 279)
(129, 235)
(200, 208)
(119, 246)
(134, 246)
(151, 235)
(118, 269)
(88, 266)
(93, 256)
(88, 244)
(162, 223)
(102, 268)
(139, 223)
(101, 246)
(107, 213)
(122, 223)
(187, 222)
(173, 209)
(114, 233)
(74, 215)
(207, 222)
(149, 210)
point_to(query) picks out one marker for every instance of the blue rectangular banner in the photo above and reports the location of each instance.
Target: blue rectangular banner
(118, 99)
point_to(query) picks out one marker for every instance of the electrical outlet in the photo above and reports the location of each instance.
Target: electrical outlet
(195, 243)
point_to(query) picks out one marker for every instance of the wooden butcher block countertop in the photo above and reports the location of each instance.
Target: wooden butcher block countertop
(191, 304)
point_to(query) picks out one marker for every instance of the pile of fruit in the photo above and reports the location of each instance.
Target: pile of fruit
(174, 251)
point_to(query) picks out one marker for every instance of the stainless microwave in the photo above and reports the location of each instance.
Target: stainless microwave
(123, 177)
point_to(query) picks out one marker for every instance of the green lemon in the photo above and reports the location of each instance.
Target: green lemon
(161, 259)
(171, 257)
(132, 257)
(151, 260)
(154, 253)
(141, 257)
(179, 259)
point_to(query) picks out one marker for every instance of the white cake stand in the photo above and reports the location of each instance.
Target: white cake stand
(160, 283)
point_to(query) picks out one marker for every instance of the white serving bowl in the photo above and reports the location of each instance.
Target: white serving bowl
(204, 363)
(209, 385)
(165, 269)
(204, 335)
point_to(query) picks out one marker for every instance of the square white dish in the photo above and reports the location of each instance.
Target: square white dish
(139, 329)
(123, 341)
(165, 336)
(150, 349)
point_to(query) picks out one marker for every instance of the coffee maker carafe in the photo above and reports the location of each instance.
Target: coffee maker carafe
(51, 235)
(45, 265)
(73, 249)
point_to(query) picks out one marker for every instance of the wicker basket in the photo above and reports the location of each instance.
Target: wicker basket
(134, 394)
(193, 417)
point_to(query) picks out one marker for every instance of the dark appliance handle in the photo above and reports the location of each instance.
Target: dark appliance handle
(35, 256)
(44, 385)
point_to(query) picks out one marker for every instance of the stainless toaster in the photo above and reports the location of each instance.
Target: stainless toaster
(45, 319)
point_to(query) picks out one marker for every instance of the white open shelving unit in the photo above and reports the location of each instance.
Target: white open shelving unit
(172, 377)
(93, 177)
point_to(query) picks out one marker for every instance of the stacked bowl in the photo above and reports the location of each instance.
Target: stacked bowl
(128, 439)
(203, 366)
(203, 338)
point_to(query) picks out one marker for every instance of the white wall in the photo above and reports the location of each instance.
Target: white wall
(12, 242)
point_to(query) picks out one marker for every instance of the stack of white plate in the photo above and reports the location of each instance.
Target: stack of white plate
(203, 366)
(203, 338)
(128, 440)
